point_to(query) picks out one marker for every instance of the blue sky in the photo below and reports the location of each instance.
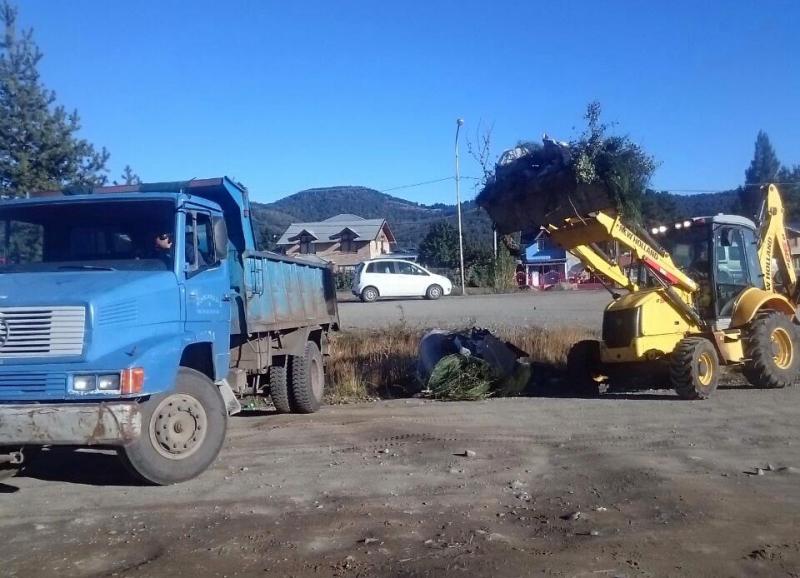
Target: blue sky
(290, 95)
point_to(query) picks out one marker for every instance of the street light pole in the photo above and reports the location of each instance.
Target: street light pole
(459, 123)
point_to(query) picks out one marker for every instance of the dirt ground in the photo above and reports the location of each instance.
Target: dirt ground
(624, 485)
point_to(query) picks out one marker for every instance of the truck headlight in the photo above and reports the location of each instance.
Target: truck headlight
(108, 382)
(84, 382)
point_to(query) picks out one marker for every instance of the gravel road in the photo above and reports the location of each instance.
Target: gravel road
(518, 309)
(636, 485)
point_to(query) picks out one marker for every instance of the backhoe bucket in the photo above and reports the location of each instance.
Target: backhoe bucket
(534, 186)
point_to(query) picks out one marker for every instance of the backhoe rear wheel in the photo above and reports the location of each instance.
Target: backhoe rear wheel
(583, 368)
(770, 344)
(694, 368)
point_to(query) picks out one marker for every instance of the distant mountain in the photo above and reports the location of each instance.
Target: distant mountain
(408, 220)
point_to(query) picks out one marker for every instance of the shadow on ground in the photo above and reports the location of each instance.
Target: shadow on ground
(76, 466)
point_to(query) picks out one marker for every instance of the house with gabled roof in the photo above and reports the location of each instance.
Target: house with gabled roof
(344, 240)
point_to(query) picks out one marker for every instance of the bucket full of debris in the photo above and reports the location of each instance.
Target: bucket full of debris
(470, 365)
(535, 185)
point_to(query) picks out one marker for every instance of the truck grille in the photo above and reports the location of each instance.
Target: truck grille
(23, 386)
(41, 332)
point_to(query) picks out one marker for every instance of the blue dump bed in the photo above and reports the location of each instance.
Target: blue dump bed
(283, 293)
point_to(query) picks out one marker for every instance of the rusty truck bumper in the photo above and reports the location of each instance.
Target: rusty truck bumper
(104, 423)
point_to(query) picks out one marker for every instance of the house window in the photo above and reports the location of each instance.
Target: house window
(347, 244)
(307, 245)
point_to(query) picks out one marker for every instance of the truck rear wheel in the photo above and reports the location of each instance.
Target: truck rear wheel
(583, 368)
(307, 379)
(694, 368)
(770, 344)
(182, 431)
(279, 389)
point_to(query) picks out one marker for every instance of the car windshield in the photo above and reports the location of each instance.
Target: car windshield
(87, 236)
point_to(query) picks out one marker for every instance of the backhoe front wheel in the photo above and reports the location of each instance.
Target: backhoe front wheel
(770, 344)
(694, 368)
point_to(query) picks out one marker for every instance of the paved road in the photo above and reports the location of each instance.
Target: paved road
(643, 485)
(544, 309)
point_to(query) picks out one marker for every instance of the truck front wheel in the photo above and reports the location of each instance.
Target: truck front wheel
(182, 431)
(308, 379)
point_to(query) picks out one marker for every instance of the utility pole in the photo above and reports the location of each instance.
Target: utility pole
(459, 124)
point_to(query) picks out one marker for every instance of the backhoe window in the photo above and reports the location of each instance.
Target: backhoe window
(732, 275)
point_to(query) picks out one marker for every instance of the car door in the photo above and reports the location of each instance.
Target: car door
(407, 279)
(386, 279)
(422, 280)
(206, 285)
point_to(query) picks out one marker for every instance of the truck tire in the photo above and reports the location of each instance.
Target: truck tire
(694, 368)
(279, 389)
(771, 346)
(307, 385)
(583, 368)
(369, 294)
(434, 292)
(182, 431)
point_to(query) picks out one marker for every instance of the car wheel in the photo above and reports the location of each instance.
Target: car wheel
(369, 294)
(433, 292)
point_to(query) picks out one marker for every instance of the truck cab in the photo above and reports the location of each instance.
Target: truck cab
(120, 311)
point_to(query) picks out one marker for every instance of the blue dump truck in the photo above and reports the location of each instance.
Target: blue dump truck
(133, 317)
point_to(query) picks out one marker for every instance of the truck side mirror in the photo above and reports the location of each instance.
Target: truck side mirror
(220, 238)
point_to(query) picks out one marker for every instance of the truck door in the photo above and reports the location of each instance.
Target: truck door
(207, 287)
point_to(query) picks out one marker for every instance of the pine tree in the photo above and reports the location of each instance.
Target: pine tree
(439, 248)
(763, 169)
(39, 145)
(129, 177)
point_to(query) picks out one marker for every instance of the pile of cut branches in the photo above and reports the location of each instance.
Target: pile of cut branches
(537, 184)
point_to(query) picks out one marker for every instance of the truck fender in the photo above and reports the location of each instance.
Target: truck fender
(753, 300)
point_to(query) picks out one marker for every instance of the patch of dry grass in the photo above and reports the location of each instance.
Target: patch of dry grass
(367, 364)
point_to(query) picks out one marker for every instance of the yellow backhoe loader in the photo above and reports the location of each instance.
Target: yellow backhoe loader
(706, 294)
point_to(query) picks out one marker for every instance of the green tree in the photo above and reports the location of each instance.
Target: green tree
(763, 169)
(439, 248)
(790, 191)
(39, 145)
(505, 267)
(129, 177)
(616, 162)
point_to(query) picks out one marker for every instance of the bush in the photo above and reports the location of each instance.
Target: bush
(344, 279)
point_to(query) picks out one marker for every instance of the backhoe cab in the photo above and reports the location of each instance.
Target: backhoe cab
(705, 294)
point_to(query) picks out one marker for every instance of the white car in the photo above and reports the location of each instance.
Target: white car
(397, 278)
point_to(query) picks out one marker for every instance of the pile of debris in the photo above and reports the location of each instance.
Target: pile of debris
(470, 365)
(535, 185)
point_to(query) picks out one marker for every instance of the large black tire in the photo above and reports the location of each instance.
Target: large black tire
(434, 292)
(307, 383)
(182, 431)
(584, 368)
(771, 347)
(369, 294)
(694, 368)
(279, 389)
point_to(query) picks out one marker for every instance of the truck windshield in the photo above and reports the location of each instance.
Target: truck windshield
(87, 236)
